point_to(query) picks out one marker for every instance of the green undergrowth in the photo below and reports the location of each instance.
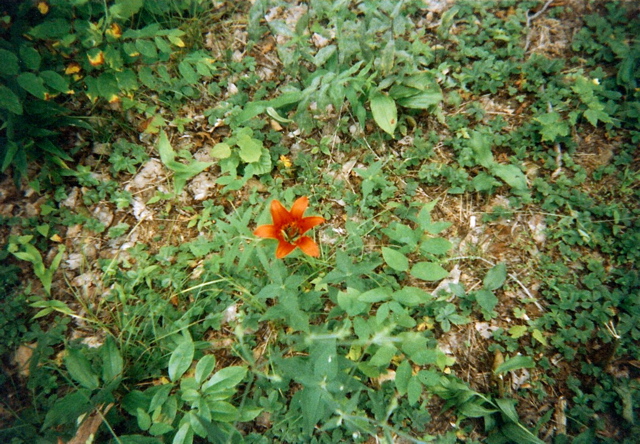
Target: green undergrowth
(396, 130)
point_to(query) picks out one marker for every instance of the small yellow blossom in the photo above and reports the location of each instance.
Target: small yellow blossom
(43, 7)
(286, 162)
(72, 68)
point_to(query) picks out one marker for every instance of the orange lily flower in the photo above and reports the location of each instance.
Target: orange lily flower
(289, 226)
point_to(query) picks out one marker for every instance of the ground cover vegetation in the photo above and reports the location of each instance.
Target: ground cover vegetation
(345, 221)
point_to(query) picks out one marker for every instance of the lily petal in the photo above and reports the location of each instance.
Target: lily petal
(299, 207)
(284, 248)
(279, 214)
(308, 246)
(308, 223)
(267, 231)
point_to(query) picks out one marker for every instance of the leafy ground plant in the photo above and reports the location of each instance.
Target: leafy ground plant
(321, 222)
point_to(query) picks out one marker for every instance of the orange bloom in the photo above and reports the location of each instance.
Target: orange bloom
(289, 226)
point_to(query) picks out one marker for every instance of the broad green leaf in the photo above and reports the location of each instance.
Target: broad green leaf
(146, 48)
(472, 409)
(55, 81)
(429, 271)
(8, 63)
(223, 411)
(144, 420)
(225, 379)
(411, 296)
(188, 73)
(160, 396)
(10, 102)
(184, 435)
(436, 245)
(423, 100)
(383, 356)
(30, 57)
(112, 363)
(221, 150)
(125, 9)
(250, 148)
(486, 299)
(204, 368)
(80, 369)
(32, 84)
(375, 295)
(515, 363)
(480, 143)
(414, 390)
(181, 358)
(384, 112)
(403, 376)
(395, 259)
(518, 433)
(348, 301)
(496, 277)
(511, 174)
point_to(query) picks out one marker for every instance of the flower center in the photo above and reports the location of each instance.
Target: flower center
(290, 233)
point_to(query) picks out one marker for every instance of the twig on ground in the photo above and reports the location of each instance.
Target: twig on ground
(531, 18)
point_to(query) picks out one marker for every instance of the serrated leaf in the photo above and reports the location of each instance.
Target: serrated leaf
(518, 331)
(384, 112)
(515, 363)
(181, 358)
(429, 271)
(395, 259)
(80, 369)
(495, 277)
(538, 336)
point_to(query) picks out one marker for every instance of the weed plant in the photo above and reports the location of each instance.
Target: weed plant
(475, 274)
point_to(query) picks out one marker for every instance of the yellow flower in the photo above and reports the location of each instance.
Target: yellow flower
(43, 7)
(72, 68)
(114, 31)
(285, 161)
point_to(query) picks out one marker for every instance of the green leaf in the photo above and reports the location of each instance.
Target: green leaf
(146, 48)
(55, 81)
(486, 299)
(414, 390)
(8, 63)
(375, 295)
(403, 376)
(411, 296)
(181, 358)
(518, 433)
(384, 112)
(480, 144)
(349, 302)
(188, 73)
(515, 363)
(144, 420)
(538, 336)
(221, 150)
(112, 363)
(518, 331)
(552, 126)
(9, 101)
(496, 277)
(30, 57)
(436, 245)
(125, 9)
(472, 409)
(429, 271)
(32, 84)
(395, 259)
(383, 356)
(204, 368)
(224, 379)
(80, 369)
(184, 435)
(422, 100)
(511, 174)
(250, 148)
